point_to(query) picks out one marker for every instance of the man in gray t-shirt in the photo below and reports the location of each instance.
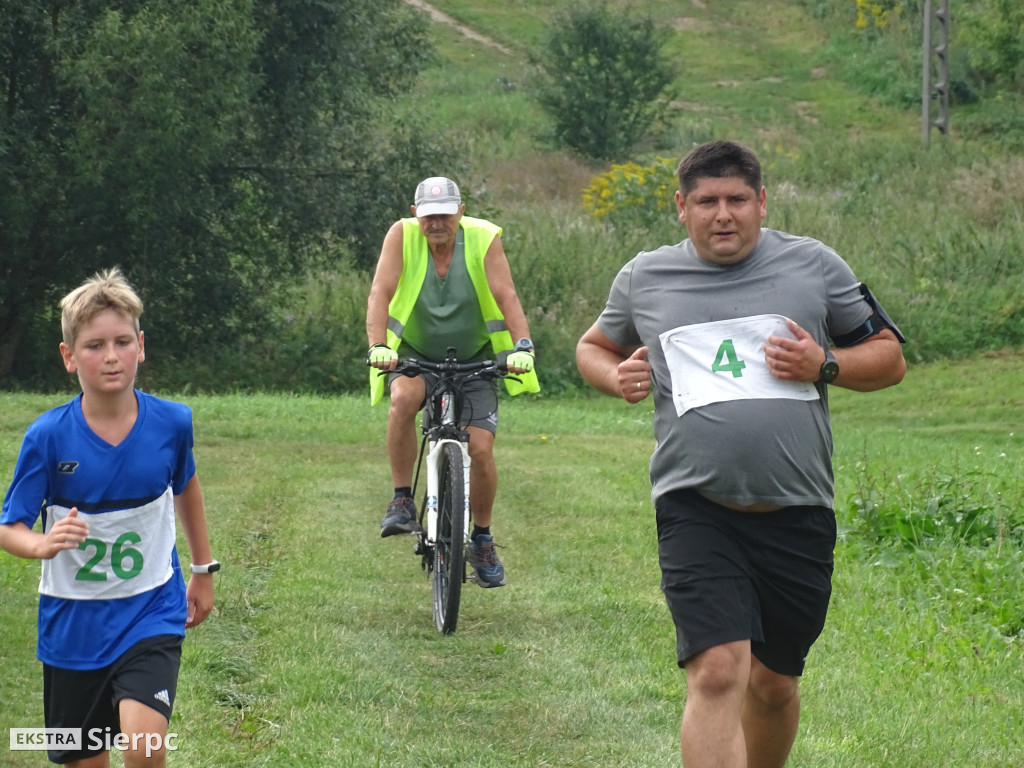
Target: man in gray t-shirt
(730, 332)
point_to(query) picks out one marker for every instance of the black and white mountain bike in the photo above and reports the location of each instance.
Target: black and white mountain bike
(444, 513)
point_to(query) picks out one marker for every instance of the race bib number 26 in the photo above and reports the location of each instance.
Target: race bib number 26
(127, 552)
(124, 562)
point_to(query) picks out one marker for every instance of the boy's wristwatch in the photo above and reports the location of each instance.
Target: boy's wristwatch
(211, 567)
(829, 369)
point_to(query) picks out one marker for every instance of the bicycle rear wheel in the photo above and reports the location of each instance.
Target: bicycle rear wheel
(450, 548)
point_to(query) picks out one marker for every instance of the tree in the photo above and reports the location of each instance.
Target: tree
(209, 147)
(991, 31)
(603, 79)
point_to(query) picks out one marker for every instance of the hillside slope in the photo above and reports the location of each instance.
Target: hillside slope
(935, 231)
(749, 70)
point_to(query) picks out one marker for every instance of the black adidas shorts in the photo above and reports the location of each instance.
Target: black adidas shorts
(89, 698)
(730, 576)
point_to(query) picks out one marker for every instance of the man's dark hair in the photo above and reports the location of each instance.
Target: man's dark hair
(719, 160)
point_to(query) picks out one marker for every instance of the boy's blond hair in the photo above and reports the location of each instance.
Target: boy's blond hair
(104, 290)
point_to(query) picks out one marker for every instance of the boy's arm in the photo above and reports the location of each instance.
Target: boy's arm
(192, 515)
(21, 541)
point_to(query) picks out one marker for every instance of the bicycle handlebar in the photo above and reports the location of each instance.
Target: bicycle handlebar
(485, 368)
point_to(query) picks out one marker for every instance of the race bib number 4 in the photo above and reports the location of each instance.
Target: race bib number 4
(724, 360)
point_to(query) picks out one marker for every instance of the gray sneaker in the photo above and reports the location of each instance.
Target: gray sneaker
(400, 517)
(487, 568)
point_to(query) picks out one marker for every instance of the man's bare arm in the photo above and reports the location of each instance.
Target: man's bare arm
(385, 283)
(499, 280)
(613, 369)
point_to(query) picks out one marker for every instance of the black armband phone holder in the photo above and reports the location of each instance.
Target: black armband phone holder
(877, 321)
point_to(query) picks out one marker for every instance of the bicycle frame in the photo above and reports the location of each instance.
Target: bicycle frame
(440, 536)
(435, 447)
(441, 426)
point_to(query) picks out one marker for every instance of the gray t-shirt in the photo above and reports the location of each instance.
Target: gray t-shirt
(745, 451)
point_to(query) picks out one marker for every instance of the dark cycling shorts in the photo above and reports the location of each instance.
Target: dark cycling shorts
(730, 576)
(480, 397)
(89, 698)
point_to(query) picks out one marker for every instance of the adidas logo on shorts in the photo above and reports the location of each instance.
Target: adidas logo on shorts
(163, 697)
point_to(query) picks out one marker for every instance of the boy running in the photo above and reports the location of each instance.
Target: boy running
(107, 471)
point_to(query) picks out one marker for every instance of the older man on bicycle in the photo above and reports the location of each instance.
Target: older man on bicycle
(442, 281)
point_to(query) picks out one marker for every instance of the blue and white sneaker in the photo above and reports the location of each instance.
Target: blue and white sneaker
(482, 555)
(400, 517)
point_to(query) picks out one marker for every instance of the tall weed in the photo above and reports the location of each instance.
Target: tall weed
(949, 505)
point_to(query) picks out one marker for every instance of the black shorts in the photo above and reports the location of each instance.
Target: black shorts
(730, 576)
(89, 698)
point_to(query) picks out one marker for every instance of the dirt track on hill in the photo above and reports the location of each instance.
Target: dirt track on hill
(444, 18)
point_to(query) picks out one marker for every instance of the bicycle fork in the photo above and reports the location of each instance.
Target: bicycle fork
(433, 456)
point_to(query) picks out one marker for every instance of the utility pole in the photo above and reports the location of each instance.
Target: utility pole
(936, 15)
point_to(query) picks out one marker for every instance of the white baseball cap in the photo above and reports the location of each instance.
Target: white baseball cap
(437, 196)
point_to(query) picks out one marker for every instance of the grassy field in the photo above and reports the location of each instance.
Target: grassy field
(322, 650)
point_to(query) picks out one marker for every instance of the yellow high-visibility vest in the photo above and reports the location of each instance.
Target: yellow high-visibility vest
(477, 237)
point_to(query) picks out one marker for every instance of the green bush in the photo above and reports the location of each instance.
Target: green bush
(603, 74)
(315, 342)
(998, 118)
(990, 31)
(968, 497)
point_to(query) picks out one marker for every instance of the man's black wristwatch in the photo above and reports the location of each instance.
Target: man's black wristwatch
(829, 369)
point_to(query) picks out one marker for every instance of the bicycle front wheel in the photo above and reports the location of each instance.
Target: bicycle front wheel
(450, 548)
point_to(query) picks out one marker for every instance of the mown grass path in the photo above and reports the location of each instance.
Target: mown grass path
(322, 651)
